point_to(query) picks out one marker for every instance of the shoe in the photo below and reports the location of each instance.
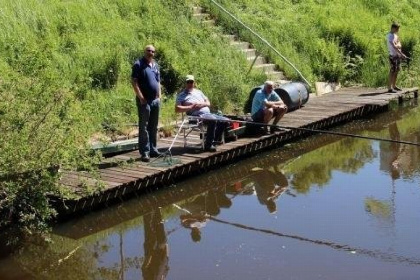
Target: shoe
(397, 88)
(155, 154)
(210, 148)
(391, 91)
(145, 158)
(264, 131)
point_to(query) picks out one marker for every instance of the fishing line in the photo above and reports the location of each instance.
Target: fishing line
(371, 253)
(286, 128)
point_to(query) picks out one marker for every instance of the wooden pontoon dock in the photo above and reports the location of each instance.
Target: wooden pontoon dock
(124, 175)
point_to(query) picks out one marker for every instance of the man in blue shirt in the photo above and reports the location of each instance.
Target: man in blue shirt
(146, 84)
(267, 105)
(195, 103)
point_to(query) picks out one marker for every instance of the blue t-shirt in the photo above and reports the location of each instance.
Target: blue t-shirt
(186, 98)
(148, 78)
(259, 97)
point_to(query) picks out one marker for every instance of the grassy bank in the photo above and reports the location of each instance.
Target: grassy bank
(65, 71)
(329, 40)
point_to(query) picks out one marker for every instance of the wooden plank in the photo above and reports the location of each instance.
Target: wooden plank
(320, 112)
(136, 173)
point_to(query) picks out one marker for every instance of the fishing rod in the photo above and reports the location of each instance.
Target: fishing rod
(312, 130)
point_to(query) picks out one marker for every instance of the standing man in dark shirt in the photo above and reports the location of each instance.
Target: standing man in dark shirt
(146, 84)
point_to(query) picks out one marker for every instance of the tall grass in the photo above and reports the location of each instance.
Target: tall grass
(329, 40)
(65, 70)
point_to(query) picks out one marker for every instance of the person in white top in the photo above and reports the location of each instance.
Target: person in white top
(193, 102)
(395, 56)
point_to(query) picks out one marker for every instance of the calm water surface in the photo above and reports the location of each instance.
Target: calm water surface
(323, 208)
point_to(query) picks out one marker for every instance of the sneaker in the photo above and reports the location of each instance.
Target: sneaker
(391, 91)
(210, 148)
(397, 88)
(145, 157)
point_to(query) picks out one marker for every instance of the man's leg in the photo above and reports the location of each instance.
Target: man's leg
(152, 127)
(221, 126)
(210, 121)
(394, 80)
(268, 115)
(390, 79)
(279, 113)
(144, 114)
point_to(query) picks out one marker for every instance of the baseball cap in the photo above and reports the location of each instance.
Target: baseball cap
(189, 78)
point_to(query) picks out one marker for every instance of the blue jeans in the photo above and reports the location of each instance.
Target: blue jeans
(148, 123)
(215, 128)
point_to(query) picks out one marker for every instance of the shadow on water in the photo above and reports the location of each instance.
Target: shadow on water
(78, 244)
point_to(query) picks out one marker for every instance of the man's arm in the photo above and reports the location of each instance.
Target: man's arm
(179, 108)
(397, 47)
(137, 91)
(275, 103)
(205, 103)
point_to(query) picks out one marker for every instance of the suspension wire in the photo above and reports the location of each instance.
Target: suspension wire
(286, 128)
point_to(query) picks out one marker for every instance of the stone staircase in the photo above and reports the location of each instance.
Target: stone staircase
(261, 64)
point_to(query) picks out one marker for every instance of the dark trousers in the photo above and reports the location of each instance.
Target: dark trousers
(148, 123)
(216, 126)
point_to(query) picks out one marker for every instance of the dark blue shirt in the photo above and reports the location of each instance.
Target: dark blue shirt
(148, 78)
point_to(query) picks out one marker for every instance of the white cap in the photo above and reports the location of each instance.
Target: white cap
(269, 83)
(189, 78)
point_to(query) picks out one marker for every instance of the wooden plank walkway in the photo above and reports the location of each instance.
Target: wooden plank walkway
(124, 175)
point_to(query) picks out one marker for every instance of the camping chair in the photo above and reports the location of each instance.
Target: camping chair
(190, 126)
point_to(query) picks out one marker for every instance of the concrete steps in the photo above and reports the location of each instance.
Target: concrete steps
(261, 63)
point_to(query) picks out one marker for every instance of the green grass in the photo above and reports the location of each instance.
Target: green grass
(65, 71)
(329, 40)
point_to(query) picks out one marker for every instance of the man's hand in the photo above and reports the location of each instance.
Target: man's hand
(142, 100)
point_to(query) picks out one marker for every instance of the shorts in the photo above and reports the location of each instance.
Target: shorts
(394, 63)
(258, 116)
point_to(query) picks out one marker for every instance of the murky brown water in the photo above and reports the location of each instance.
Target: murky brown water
(323, 208)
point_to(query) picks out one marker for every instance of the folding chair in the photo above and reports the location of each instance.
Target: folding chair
(191, 126)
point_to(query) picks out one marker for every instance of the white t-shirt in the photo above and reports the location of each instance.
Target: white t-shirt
(195, 96)
(392, 38)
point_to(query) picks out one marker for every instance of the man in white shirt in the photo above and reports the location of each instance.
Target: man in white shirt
(395, 57)
(193, 102)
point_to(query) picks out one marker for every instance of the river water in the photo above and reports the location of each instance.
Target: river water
(326, 207)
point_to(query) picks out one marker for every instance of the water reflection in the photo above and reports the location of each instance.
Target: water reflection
(268, 186)
(156, 252)
(156, 236)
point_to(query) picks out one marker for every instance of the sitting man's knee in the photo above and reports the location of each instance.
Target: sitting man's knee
(269, 112)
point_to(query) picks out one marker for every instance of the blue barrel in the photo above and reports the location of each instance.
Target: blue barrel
(294, 94)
